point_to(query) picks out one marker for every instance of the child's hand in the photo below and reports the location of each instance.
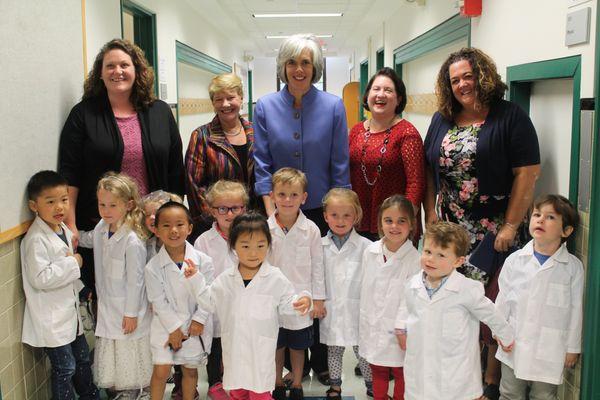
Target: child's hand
(302, 305)
(196, 329)
(401, 337)
(176, 338)
(190, 268)
(319, 310)
(77, 257)
(508, 348)
(571, 360)
(129, 324)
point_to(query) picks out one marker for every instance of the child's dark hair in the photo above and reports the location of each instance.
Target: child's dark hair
(402, 204)
(43, 180)
(172, 204)
(248, 223)
(563, 207)
(446, 234)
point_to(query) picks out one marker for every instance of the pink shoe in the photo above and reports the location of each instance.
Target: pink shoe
(216, 392)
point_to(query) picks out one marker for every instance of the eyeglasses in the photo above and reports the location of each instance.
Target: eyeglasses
(224, 210)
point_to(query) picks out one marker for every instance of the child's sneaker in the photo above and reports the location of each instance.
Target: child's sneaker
(216, 392)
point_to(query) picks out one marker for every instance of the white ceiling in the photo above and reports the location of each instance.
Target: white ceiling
(234, 19)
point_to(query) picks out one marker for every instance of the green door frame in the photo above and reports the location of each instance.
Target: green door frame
(379, 59)
(188, 55)
(144, 33)
(590, 384)
(453, 29)
(364, 79)
(520, 79)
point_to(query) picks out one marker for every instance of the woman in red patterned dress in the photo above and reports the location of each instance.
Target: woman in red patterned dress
(386, 151)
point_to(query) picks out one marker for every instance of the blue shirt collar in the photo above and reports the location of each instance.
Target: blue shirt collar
(308, 97)
(339, 241)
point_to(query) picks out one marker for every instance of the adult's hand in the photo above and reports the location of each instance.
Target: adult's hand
(70, 220)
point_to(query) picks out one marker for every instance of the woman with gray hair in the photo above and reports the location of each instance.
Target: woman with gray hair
(303, 128)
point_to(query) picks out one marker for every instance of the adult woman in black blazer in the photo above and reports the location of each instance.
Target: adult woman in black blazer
(118, 126)
(482, 161)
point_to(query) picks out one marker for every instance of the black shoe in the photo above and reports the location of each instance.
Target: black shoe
(333, 394)
(357, 370)
(491, 392)
(296, 394)
(323, 378)
(279, 393)
(369, 393)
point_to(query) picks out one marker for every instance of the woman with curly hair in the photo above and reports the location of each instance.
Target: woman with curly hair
(118, 126)
(482, 161)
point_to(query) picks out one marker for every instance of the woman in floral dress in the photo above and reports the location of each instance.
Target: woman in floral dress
(482, 161)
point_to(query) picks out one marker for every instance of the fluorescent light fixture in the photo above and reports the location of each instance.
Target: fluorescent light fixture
(287, 36)
(297, 15)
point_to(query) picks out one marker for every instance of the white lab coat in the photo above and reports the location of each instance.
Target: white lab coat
(299, 255)
(249, 318)
(442, 351)
(172, 305)
(50, 281)
(543, 304)
(380, 297)
(152, 248)
(119, 271)
(343, 279)
(212, 244)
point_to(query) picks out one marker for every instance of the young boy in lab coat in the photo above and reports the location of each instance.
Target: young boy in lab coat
(51, 271)
(541, 290)
(439, 323)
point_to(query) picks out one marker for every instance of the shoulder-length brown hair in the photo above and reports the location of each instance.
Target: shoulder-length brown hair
(142, 92)
(488, 83)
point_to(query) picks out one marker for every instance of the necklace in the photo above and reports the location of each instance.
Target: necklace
(232, 134)
(382, 151)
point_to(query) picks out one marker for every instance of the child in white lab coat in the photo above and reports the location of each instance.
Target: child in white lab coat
(297, 251)
(249, 300)
(343, 250)
(122, 361)
(541, 291)
(51, 271)
(387, 266)
(178, 332)
(438, 324)
(151, 202)
(226, 200)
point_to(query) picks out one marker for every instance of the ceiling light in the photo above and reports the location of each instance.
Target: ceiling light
(287, 36)
(297, 15)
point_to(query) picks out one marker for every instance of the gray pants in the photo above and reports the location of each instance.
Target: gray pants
(513, 388)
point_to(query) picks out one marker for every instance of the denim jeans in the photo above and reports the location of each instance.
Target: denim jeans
(71, 371)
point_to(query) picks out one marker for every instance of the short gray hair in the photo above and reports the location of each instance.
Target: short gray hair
(293, 46)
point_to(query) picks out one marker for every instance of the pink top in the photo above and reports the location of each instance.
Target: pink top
(133, 163)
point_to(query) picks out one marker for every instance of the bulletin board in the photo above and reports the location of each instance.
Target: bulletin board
(43, 71)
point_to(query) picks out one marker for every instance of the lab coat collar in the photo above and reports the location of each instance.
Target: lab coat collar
(399, 254)
(451, 286)
(165, 259)
(561, 255)
(353, 240)
(117, 236)
(52, 236)
(301, 223)
(265, 269)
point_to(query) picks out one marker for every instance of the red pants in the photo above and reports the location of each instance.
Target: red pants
(243, 394)
(381, 382)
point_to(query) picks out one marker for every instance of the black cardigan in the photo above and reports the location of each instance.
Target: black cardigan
(91, 145)
(506, 140)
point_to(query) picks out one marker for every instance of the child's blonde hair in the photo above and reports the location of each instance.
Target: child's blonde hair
(124, 188)
(346, 195)
(160, 197)
(289, 176)
(446, 234)
(224, 188)
(402, 204)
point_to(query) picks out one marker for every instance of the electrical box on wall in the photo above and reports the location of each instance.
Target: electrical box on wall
(578, 27)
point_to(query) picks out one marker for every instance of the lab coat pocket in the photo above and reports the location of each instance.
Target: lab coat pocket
(550, 343)
(352, 281)
(558, 295)
(261, 307)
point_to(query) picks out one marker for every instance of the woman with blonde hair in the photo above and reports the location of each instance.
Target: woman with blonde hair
(220, 149)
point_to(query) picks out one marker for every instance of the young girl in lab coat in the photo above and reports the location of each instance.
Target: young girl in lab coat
(152, 202)
(122, 360)
(387, 266)
(248, 300)
(343, 249)
(226, 199)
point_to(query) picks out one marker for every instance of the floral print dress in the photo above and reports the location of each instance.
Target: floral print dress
(459, 198)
